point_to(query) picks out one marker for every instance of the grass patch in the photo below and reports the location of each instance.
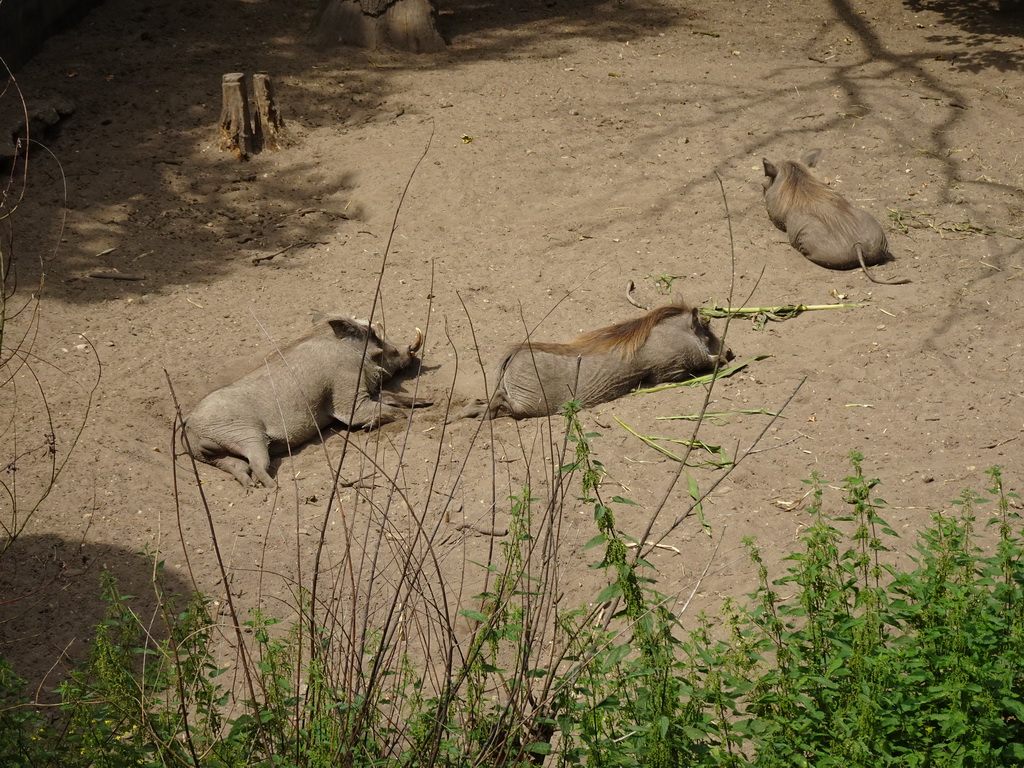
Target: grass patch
(760, 316)
(904, 221)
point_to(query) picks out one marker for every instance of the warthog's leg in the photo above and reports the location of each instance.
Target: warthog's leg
(476, 408)
(397, 398)
(259, 462)
(235, 466)
(226, 457)
(367, 413)
(498, 405)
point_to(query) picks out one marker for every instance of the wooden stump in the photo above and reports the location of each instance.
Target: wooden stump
(268, 126)
(235, 127)
(249, 129)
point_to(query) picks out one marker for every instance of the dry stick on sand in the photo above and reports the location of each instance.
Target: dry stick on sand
(630, 287)
(258, 259)
(321, 545)
(115, 276)
(704, 573)
(236, 623)
(646, 536)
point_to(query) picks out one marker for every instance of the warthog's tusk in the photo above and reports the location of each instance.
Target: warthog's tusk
(419, 341)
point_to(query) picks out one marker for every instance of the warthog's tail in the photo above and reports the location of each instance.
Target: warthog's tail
(860, 257)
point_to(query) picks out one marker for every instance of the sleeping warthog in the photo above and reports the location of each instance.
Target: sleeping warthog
(670, 343)
(820, 222)
(295, 393)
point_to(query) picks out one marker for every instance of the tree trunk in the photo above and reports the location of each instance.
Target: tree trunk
(409, 25)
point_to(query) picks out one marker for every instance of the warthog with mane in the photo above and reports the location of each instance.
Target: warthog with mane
(821, 223)
(334, 372)
(671, 343)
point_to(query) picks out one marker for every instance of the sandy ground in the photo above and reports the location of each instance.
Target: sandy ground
(571, 146)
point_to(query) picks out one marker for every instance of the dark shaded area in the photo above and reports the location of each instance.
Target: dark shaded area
(483, 26)
(983, 25)
(174, 215)
(27, 23)
(50, 604)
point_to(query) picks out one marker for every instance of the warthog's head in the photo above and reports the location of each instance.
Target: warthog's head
(788, 170)
(385, 355)
(715, 346)
(389, 357)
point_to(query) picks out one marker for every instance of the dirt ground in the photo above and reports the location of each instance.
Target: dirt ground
(571, 146)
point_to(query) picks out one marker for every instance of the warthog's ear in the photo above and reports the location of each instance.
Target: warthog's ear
(347, 329)
(769, 168)
(810, 158)
(699, 321)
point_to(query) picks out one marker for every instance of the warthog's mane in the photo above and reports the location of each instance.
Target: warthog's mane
(798, 189)
(626, 337)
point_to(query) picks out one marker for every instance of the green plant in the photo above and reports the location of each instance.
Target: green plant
(861, 664)
(867, 665)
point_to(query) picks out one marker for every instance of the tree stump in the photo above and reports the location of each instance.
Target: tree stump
(249, 129)
(268, 126)
(410, 25)
(235, 128)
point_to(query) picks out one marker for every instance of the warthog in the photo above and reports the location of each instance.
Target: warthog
(334, 372)
(820, 222)
(670, 343)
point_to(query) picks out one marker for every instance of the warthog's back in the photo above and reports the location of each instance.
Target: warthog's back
(829, 238)
(334, 372)
(536, 379)
(538, 382)
(820, 222)
(289, 396)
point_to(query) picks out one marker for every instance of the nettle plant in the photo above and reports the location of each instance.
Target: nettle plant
(860, 664)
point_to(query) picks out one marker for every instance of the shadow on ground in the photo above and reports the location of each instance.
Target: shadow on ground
(51, 604)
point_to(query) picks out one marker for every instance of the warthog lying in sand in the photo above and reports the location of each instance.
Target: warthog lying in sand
(334, 372)
(671, 343)
(820, 222)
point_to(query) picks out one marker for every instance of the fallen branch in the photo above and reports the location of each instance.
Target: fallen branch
(115, 276)
(258, 259)
(718, 417)
(498, 532)
(904, 221)
(630, 287)
(306, 212)
(721, 458)
(784, 312)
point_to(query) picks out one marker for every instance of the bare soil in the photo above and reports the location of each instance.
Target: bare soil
(571, 146)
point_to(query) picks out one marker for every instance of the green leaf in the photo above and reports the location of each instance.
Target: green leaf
(610, 592)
